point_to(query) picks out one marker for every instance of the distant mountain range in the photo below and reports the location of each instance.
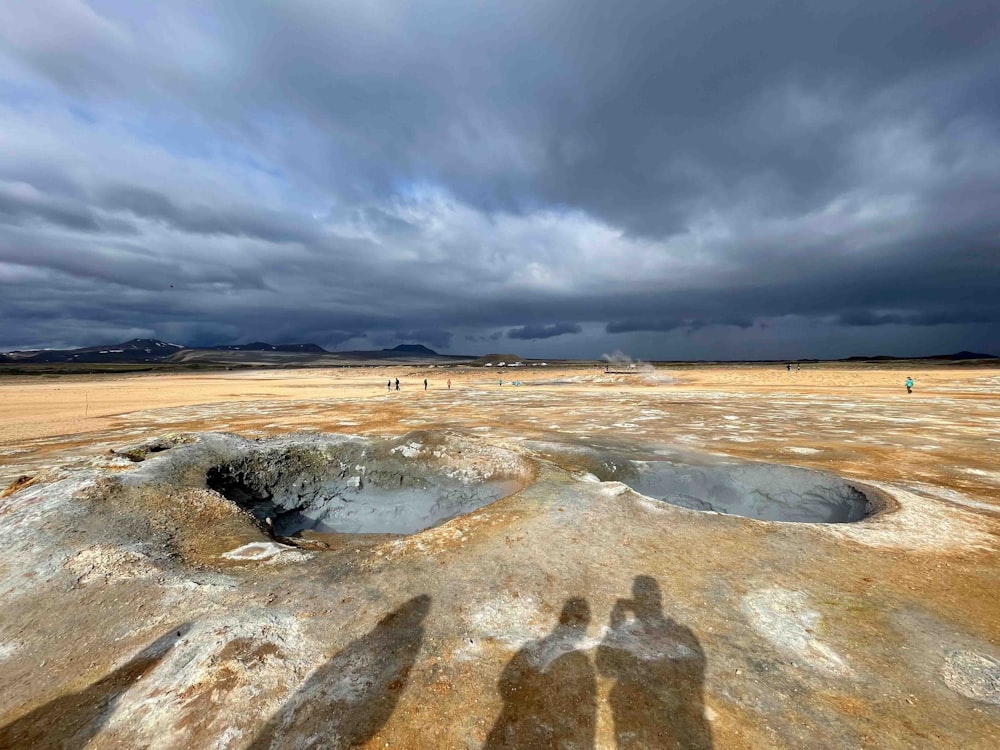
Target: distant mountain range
(153, 350)
(138, 351)
(956, 357)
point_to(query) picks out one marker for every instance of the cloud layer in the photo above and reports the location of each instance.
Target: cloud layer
(676, 179)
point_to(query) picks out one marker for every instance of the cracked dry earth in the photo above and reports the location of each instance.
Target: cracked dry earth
(147, 605)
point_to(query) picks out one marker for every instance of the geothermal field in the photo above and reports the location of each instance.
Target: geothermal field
(687, 557)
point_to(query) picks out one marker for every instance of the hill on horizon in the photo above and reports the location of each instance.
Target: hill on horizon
(957, 356)
(135, 350)
(413, 349)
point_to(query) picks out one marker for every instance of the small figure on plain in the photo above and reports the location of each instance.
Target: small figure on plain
(388, 385)
(500, 382)
(397, 384)
(789, 367)
(425, 384)
(798, 368)
(909, 385)
(449, 384)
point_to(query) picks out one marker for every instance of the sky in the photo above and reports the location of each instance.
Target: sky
(554, 178)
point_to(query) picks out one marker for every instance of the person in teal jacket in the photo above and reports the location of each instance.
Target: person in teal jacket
(909, 385)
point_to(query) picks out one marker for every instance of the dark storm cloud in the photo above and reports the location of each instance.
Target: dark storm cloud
(629, 326)
(949, 317)
(237, 221)
(543, 331)
(650, 170)
(27, 205)
(495, 336)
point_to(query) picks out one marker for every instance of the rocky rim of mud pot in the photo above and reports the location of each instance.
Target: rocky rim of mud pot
(702, 482)
(336, 484)
(17, 485)
(139, 453)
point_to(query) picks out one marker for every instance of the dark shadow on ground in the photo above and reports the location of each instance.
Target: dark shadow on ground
(347, 700)
(72, 720)
(549, 690)
(659, 668)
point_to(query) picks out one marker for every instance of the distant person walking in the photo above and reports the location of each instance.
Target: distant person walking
(788, 367)
(388, 386)
(909, 385)
(449, 384)
(425, 384)
(397, 384)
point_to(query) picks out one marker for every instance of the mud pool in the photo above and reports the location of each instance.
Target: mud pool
(766, 492)
(340, 484)
(310, 494)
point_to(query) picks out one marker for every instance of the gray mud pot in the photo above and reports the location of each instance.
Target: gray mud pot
(766, 492)
(335, 484)
(366, 487)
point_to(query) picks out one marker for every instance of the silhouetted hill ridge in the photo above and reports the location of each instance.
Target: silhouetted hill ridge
(134, 350)
(957, 356)
(412, 349)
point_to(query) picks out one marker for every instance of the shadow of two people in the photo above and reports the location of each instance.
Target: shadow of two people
(549, 688)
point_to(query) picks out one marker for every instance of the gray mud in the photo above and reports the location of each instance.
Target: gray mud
(766, 492)
(704, 482)
(341, 484)
(349, 492)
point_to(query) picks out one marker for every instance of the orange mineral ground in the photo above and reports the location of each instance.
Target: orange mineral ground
(148, 603)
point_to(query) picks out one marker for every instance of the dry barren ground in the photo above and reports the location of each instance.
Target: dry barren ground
(573, 613)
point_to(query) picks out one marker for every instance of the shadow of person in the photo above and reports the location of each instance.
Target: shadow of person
(72, 720)
(549, 690)
(352, 695)
(659, 668)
